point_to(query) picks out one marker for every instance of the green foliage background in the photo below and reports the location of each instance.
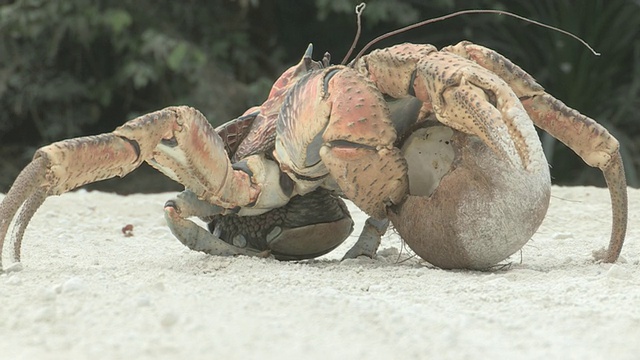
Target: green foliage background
(76, 67)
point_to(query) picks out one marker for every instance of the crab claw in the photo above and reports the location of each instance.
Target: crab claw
(197, 238)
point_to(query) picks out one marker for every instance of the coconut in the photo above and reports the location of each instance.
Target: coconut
(467, 207)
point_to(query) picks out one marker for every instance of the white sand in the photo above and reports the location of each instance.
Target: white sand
(88, 292)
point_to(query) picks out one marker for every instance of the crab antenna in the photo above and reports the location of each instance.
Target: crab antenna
(359, 10)
(463, 12)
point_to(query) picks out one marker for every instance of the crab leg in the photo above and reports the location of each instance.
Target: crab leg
(28, 192)
(198, 239)
(178, 141)
(463, 96)
(597, 148)
(369, 239)
(591, 141)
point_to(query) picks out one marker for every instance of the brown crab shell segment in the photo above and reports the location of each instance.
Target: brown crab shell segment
(371, 179)
(303, 118)
(359, 145)
(359, 113)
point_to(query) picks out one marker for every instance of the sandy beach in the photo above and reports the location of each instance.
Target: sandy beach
(86, 291)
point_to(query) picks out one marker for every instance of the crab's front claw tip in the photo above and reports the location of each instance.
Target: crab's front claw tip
(187, 204)
(171, 210)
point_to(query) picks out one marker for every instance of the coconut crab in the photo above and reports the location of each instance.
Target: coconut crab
(441, 143)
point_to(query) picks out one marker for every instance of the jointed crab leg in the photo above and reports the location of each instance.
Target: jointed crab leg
(197, 238)
(28, 210)
(463, 96)
(29, 193)
(590, 140)
(177, 140)
(369, 239)
(597, 148)
(193, 236)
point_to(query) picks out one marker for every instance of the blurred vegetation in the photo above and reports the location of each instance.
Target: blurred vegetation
(75, 67)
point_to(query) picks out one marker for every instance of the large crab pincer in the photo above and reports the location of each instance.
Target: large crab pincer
(440, 143)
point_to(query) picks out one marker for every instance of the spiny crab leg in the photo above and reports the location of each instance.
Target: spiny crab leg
(28, 192)
(463, 96)
(193, 236)
(197, 238)
(28, 210)
(177, 140)
(590, 140)
(597, 148)
(369, 239)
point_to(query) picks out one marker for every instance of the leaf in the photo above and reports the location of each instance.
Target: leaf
(117, 19)
(177, 56)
